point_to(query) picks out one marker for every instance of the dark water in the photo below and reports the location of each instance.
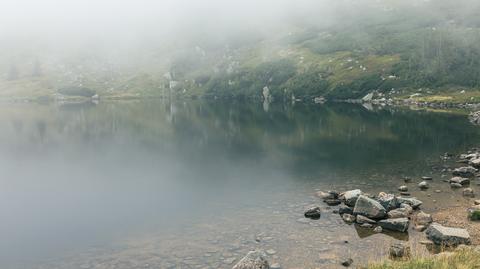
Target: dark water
(197, 184)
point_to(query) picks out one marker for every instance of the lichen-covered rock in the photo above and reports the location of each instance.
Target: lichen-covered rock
(351, 197)
(447, 236)
(254, 260)
(369, 208)
(399, 224)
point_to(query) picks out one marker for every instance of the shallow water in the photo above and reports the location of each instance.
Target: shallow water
(156, 184)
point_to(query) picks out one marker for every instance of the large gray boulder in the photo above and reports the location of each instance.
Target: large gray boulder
(466, 171)
(447, 236)
(254, 260)
(351, 197)
(369, 208)
(399, 224)
(413, 202)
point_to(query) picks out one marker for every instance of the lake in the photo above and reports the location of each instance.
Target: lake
(196, 184)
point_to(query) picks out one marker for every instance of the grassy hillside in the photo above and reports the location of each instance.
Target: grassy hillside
(391, 46)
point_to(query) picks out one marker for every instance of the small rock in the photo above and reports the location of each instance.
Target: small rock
(271, 252)
(378, 229)
(427, 178)
(347, 262)
(456, 185)
(407, 179)
(413, 202)
(403, 188)
(351, 197)
(328, 195)
(345, 210)
(399, 250)
(332, 202)
(460, 180)
(468, 192)
(399, 224)
(253, 260)
(348, 218)
(398, 213)
(423, 218)
(387, 200)
(423, 185)
(438, 191)
(275, 266)
(313, 213)
(476, 202)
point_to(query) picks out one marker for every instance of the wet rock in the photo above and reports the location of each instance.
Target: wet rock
(474, 117)
(254, 260)
(427, 178)
(345, 210)
(348, 218)
(399, 250)
(368, 207)
(476, 202)
(475, 162)
(466, 171)
(407, 179)
(332, 202)
(327, 195)
(378, 229)
(447, 236)
(407, 207)
(362, 219)
(460, 180)
(423, 218)
(413, 202)
(403, 188)
(423, 185)
(404, 193)
(347, 262)
(387, 200)
(398, 213)
(351, 197)
(313, 213)
(474, 213)
(399, 224)
(468, 192)
(366, 225)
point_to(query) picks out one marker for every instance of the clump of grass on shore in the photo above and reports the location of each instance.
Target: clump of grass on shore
(465, 258)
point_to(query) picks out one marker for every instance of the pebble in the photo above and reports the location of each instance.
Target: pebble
(271, 252)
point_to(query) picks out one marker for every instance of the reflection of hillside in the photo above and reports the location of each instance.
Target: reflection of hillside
(301, 137)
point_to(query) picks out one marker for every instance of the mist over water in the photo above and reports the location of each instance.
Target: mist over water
(77, 177)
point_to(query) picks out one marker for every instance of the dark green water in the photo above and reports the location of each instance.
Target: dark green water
(192, 184)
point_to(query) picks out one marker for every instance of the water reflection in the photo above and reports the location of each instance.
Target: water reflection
(197, 174)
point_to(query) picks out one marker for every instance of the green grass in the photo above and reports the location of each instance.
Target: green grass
(465, 258)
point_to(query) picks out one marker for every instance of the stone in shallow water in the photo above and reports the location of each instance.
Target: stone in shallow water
(403, 188)
(369, 208)
(413, 202)
(328, 195)
(447, 236)
(351, 197)
(468, 192)
(332, 202)
(460, 180)
(466, 171)
(362, 219)
(254, 260)
(313, 213)
(387, 200)
(399, 224)
(427, 178)
(423, 185)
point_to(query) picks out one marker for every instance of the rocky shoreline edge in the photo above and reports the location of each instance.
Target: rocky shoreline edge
(400, 212)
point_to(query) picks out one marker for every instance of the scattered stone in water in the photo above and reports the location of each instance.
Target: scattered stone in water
(399, 250)
(313, 213)
(427, 178)
(328, 195)
(466, 171)
(254, 260)
(347, 262)
(350, 197)
(348, 218)
(423, 185)
(404, 193)
(438, 191)
(368, 207)
(407, 179)
(403, 188)
(447, 236)
(460, 180)
(399, 224)
(332, 202)
(271, 252)
(413, 202)
(275, 266)
(378, 229)
(468, 192)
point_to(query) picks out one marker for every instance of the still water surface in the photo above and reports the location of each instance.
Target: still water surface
(155, 184)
